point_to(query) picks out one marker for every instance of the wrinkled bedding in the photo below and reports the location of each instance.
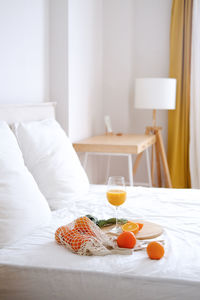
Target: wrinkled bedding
(38, 268)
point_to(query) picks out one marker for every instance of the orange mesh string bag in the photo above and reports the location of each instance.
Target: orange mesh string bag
(84, 237)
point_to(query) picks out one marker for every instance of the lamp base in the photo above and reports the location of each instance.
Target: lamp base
(159, 150)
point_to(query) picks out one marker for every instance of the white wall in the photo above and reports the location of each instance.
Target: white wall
(23, 51)
(118, 60)
(152, 33)
(136, 44)
(118, 68)
(97, 48)
(58, 59)
(85, 68)
(85, 75)
(152, 30)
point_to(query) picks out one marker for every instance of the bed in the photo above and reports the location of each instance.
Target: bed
(37, 268)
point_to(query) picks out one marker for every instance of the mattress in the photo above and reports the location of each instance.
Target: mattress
(38, 268)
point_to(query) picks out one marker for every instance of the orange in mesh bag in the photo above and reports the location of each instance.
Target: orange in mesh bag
(84, 237)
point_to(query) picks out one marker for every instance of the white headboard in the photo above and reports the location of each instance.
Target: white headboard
(27, 112)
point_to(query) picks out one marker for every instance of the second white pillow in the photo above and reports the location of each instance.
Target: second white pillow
(52, 160)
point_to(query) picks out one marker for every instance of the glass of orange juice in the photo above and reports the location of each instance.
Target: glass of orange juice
(116, 196)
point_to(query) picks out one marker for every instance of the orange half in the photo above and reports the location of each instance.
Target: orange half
(131, 226)
(140, 225)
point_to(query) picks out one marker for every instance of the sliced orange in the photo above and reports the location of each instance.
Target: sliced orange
(140, 225)
(131, 226)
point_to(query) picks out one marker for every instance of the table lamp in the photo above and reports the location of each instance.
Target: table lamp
(156, 93)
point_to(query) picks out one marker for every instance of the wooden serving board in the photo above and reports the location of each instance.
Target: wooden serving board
(149, 231)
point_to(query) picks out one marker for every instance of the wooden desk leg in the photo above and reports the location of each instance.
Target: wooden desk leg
(130, 166)
(138, 158)
(136, 163)
(158, 165)
(164, 159)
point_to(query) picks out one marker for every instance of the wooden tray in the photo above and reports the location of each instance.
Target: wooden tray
(149, 231)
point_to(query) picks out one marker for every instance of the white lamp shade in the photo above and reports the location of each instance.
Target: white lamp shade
(155, 93)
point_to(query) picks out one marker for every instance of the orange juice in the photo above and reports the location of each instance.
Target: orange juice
(116, 197)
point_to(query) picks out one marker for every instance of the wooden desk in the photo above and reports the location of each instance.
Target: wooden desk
(112, 145)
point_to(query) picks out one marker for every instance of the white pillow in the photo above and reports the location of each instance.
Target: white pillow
(22, 206)
(52, 160)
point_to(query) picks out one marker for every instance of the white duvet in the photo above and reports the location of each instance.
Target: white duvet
(38, 268)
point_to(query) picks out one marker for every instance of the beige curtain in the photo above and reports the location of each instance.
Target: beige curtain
(195, 98)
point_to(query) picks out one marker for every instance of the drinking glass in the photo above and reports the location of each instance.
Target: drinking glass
(116, 196)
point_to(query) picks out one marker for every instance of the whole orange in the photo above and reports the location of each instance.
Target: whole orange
(61, 233)
(78, 240)
(155, 250)
(83, 226)
(126, 240)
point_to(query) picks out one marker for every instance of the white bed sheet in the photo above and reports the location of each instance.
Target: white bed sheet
(38, 268)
